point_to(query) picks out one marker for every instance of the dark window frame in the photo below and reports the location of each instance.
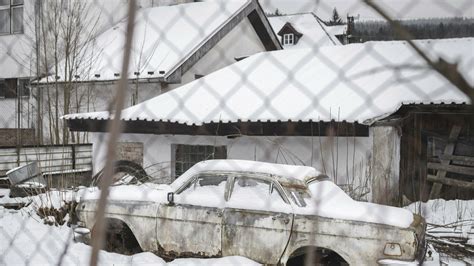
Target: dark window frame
(11, 7)
(184, 156)
(9, 88)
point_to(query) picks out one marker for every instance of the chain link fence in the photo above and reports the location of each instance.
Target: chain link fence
(306, 114)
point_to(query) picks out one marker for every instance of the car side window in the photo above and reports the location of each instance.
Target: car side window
(205, 190)
(256, 194)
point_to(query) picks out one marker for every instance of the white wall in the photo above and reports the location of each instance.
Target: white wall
(352, 160)
(367, 167)
(9, 111)
(240, 41)
(386, 165)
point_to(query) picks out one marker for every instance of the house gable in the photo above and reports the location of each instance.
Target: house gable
(252, 13)
(242, 40)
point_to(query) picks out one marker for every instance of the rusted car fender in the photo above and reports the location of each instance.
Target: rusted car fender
(351, 240)
(140, 218)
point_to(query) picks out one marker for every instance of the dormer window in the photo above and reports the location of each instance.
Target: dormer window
(289, 35)
(288, 39)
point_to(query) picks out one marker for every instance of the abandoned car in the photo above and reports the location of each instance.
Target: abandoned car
(262, 211)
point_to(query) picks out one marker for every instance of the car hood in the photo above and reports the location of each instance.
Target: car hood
(328, 200)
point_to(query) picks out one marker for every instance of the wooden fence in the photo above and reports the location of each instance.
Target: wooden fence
(51, 159)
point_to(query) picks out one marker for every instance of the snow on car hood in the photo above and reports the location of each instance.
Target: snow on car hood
(143, 192)
(328, 200)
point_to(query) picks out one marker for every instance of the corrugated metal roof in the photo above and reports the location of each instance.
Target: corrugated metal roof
(357, 82)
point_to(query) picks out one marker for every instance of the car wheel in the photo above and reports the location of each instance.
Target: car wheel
(125, 173)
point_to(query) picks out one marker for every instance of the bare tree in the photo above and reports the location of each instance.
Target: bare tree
(64, 29)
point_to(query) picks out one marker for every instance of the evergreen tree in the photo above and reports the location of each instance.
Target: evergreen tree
(277, 12)
(335, 19)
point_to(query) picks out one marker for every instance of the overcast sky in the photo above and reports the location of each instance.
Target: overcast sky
(402, 9)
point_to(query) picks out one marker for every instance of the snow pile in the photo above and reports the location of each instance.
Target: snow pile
(441, 212)
(53, 198)
(25, 239)
(357, 82)
(143, 192)
(447, 217)
(315, 34)
(328, 200)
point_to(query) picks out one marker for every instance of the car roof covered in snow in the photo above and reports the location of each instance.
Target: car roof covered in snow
(353, 83)
(285, 174)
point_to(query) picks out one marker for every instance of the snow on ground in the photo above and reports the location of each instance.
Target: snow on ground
(447, 218)
(441, 211)
(25, 239)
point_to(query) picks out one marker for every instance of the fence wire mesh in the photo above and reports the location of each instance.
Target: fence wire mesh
(236, 132)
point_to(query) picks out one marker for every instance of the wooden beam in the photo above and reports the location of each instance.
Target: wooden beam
(466, 159)
(451, 182)
(448, 150)
(452, 168)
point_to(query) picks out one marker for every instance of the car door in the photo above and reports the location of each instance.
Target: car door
(193, 225)
(257, 220)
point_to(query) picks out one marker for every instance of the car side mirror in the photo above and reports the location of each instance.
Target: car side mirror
(171, 198)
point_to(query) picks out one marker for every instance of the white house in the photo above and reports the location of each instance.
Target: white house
(348, 117)
(303, 30)
(172, 45)
(20, 39)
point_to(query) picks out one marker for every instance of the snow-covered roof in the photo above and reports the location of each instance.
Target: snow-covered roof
(337, 29)
(356, 82)
(314, 32)
(164, 37)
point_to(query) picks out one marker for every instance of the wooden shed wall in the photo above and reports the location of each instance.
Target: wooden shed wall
(418, 129)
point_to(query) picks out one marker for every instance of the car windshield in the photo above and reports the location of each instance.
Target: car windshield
(299, 196)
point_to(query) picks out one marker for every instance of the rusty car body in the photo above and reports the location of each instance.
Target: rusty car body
(228, 207)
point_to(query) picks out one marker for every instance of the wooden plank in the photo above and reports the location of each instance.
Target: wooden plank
(452, 168)
(451, 182)
(448, 150)
(466, 159)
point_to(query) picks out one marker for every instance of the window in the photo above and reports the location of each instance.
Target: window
(256, 194)
(205, 190)
(299, 196)
(13, 88)
(288, 39)
(11, 16)
(186, 156)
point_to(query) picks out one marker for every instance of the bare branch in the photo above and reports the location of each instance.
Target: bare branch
(114, 129)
